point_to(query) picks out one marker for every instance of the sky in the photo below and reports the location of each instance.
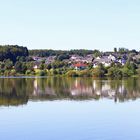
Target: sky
(70, 24)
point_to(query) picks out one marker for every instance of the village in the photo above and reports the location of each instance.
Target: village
(73, 63)
(82, 62)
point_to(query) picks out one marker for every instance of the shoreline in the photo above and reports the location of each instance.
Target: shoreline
(65, 76)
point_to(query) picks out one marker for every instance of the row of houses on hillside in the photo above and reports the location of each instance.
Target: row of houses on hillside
(107, 60)
(80, 62)
(47, 60)
(77, 58)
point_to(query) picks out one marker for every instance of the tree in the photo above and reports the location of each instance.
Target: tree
(42, 66)
(2, 65)
(30, 66)
(49, 66)
(18, 66)
(12, 52)
(62, 57)
(59, 53)
(42, 73)
(123, 50)
(21, 58)
(96, 53)
(126, 72)
(114, 72)
(115, 50)
(99, 71)
(8, 64)
(24, 68)
(72, 73)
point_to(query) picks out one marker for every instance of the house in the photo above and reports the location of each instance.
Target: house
(38, 59)
(112, 57)
(80, 66)
(76, 58)
(50, 59)
(136, 57)
(81, 59)
(35, 67)
(123, 61)
(105, 60)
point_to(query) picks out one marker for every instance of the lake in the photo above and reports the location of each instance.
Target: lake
(53, 108)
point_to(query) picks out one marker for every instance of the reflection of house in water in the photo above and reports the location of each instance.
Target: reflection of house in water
(35, 87)
(98, 88)
(18, 91)
(122, 89)
(104, 90)
(39, 91)
(107, 91)
(80, 89)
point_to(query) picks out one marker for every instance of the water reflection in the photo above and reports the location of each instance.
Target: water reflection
(19, 90)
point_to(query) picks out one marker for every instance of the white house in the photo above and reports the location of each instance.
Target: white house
(111, 57)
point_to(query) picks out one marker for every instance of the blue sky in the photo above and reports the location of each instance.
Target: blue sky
(70, 24)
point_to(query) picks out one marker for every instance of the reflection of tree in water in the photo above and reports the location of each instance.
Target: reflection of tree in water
(17, 91)
(50, 88)
(130, 89)
(14, 91)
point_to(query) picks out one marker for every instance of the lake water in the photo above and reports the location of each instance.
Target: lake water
(69, 109)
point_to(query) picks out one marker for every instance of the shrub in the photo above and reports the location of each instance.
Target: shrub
(114, 72)
(72, 73)
(28, 72)
(97, 72)
(42, 73)
(138, 71)
(7, 73)
(13, 72)
(127, 72)
(85, 73)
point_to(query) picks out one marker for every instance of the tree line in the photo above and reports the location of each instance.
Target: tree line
(12, 52)
(46, 53)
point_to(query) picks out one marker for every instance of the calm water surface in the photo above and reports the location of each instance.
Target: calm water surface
(69, 109)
